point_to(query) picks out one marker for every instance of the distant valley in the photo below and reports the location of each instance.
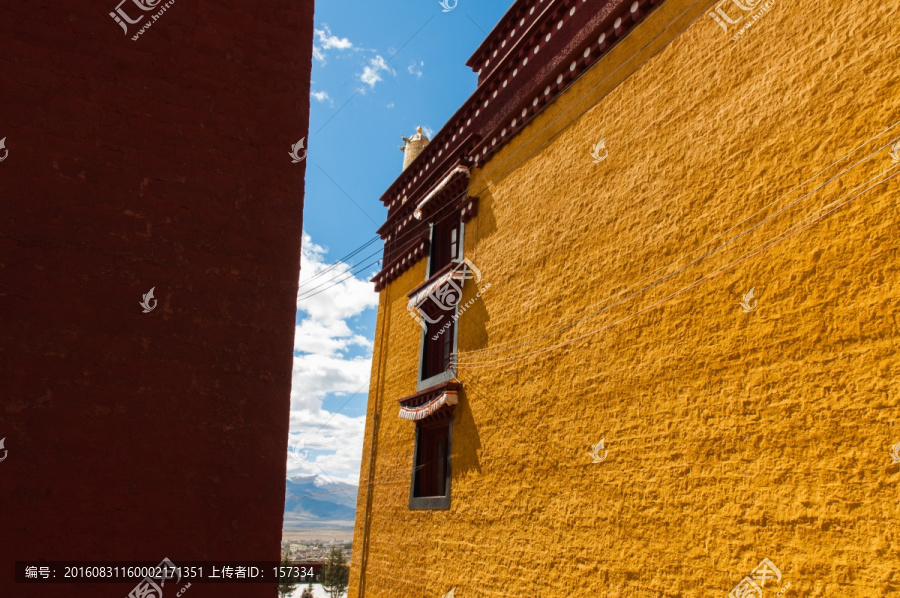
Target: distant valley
(318, 508)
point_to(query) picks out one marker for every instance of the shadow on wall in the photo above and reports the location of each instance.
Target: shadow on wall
(473, 333)
(465, 452)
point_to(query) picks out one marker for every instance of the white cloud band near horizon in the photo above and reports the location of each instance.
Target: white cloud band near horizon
(331, 358)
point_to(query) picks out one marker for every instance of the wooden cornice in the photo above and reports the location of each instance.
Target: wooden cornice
(542, 47)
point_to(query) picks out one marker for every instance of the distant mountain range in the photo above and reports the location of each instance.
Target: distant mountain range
(311, 502)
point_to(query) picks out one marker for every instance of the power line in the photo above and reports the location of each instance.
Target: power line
(486, 351)
(351, 274)
(483, 351)
(338, 275)
(745, 257)
(340, 261)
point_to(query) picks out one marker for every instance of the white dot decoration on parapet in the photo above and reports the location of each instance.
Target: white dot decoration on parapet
(515, 72)
(547, 90)
(469, 122)
(495, 95)
(503, 44)
(524, 62)
(536, 48)
(531, 12)
(521, 21)
(484, 150)
(572, 66)
(559, 79)
(494, 141)
(618, 23)
(602, 38)
(503, 133)
(572, 12)
(547, 39)
(524, 112)
(587, 52)
(504, 85)
(513, 123)
(634, 7)
(559, 25)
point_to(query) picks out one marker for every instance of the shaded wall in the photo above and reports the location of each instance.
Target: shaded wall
(157, 163)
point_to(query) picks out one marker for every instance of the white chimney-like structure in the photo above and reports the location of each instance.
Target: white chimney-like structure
(415, 145)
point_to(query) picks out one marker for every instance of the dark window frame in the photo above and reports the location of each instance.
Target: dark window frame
(432, 503)
(456, 244)
(446, 242)
(434, 356)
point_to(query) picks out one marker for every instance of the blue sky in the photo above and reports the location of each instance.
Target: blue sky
(380, 69)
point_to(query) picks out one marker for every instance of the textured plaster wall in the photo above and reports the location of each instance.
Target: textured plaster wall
(732, 436)
(161, 162)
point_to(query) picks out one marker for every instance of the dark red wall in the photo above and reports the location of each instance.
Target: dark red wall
(161, 162)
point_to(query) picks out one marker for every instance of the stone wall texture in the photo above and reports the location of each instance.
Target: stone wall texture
(161, 162)
(613, 313)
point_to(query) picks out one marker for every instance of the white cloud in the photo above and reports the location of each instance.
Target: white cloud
(320, 96)
(326, 338)
(415, 68)
(333, 295)
(429, 132)
(318, 375)
(331, 451)
(372, 72)
(391, 105)
(328, 41)
(331, 299)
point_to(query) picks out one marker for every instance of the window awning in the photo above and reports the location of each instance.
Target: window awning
(440, 187)
(416, 413)
(439, 400)
(455, 271)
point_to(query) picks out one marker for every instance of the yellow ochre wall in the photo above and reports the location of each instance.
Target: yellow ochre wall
(731, 436)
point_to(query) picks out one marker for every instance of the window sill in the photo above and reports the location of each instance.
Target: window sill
(435, 380)
(429, 503)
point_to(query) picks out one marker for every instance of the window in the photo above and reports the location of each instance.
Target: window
(431, 477)
(438, 343)
(432, 409)
(440, 334)
(445, 244)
